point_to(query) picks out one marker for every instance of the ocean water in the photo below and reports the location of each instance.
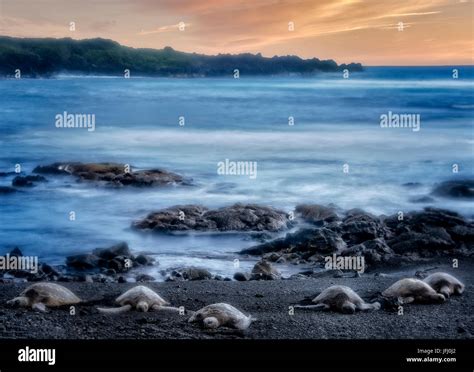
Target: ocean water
(336, 122)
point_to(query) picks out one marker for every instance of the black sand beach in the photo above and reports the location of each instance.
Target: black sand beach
(268, 301)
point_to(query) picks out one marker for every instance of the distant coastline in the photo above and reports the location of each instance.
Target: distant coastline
(47, 57)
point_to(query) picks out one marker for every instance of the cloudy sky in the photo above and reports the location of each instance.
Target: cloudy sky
(374, 32)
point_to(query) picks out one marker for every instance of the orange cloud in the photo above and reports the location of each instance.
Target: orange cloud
(345, 30)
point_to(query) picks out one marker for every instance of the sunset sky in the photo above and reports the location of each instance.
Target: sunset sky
(435, 32)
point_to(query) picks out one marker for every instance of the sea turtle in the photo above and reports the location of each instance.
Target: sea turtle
(445, 284)
(340, 298)
(39, 296)
(141, 298)
(221, 314)
(413, 290)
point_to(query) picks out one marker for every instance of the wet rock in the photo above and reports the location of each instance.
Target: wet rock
(144, 260)
(189, 273)
(16, 252)
(54, 169)
(7, 190)
(117, 258)
(273, 257)
(242, 277)
(120, 249)
(374, 251)
(238, 217)
(27, 181)
(316, 214)
(178, 218)
(7, 174)
(114, 174)
(263, 270)
(84, 261)
(320, 240)
(144, 278)
(119, 264)
(459, 189)
(422, 200)
(48, 270)
(430, 232)
(359, 226)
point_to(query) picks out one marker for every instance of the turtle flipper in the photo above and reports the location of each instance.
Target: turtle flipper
(40, 306)
(322, 307)
(115, 310)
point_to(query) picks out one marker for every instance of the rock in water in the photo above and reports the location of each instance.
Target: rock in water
(114, 174)
(316, 214)
(310, 241)
(27, 181)
(459, 189)
(238, 217)
(7, 190)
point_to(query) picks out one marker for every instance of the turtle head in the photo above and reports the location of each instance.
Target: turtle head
(211, 322)
(445, 291)
(142, 306)
(19, 302)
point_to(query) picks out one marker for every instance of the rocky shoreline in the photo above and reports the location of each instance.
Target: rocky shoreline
(311, 232)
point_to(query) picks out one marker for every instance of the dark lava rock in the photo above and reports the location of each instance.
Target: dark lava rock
(27, 181)
(7, 190)
(144, 278)
(461, 189)
(320, 240)
(375, 252)
(117, 258)
(178, 218)
(144, 260)
(84, 261)
(422, 200)
(189, 273)
(359, 226)
(316, 214)
(114, 174)
(120, 249)
(6, 174)
(241, 277)
(430, 232)
(238, 217)
(16, 252)
(263, 270)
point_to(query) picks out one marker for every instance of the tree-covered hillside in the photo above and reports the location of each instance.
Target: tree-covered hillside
(46, 57)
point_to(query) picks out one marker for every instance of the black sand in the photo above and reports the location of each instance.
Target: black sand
(268, 301)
